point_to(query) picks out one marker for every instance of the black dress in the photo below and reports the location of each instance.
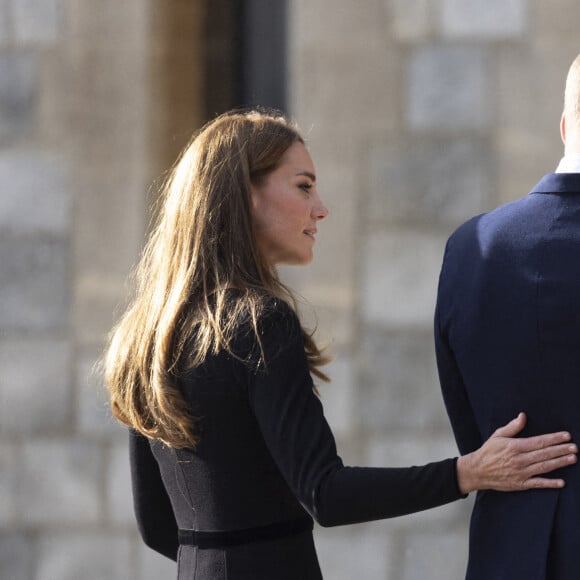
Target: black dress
(265, 465)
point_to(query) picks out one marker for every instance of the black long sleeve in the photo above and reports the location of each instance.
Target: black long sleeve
(153, 510)
(292, 423)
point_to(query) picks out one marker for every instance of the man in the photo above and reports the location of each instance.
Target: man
(507, 334)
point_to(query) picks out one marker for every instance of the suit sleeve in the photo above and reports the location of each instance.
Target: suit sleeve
(153, 510)
(291, 420)
(457, 403)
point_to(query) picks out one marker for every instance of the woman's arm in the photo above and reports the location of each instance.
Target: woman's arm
(301, 443)
(504, 463)
(153, 509)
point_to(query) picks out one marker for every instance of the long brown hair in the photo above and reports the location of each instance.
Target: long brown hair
(202, 248)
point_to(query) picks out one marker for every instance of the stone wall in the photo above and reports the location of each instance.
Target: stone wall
(419, 113)
(81, 95)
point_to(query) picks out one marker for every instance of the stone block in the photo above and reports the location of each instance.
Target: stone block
(152, 566)
(8, 456)
(557, 22)
(34, 290)
(5, 28)
(37, 22)
(491, 20)
(16, 556)
(59, 482)
(435, 553)
(35, 385)
(119, 495)
(449, 88)
(398, 384)
(37, 195)
(361, 551)
(399, 278)
(346, 94)
(426, 180)
(94, 415)
(74, 555)
(410, 20)
(18, 93)
(335, 24)
(338, 397)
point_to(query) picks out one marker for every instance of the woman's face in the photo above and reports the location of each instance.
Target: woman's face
(286, 209)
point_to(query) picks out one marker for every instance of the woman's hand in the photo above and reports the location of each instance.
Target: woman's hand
(507, 464)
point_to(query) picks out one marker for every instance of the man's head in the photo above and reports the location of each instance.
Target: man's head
(570, 124)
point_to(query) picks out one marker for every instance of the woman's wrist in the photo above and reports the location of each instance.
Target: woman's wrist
(466, 473)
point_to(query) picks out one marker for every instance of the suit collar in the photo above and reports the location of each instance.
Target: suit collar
(558, 183)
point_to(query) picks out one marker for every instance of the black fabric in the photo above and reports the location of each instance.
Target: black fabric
(266, 455)
(275, 531)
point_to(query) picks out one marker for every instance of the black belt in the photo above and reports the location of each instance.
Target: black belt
(205, 540)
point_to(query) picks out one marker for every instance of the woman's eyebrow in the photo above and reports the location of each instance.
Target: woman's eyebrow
(311, 176)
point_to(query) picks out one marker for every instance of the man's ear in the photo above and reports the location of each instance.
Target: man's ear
(563, 128)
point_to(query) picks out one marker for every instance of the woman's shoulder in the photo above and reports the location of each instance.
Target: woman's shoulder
(276, 311)
(270, 329)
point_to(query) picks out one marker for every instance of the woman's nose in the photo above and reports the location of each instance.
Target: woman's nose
(319, 211)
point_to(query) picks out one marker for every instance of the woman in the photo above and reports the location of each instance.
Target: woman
(211, 369)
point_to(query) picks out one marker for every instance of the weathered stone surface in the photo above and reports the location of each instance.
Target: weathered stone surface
(8, 463)
(34, 290)
(414, 111)
(559, 25)
(339, 396)
(449, 88)
(93, 414)
(426, 180)
(16, 561)
(37, 22)
(5, 32)
(487, 20)
(58, 482)
(398, 384)
(335, 25)
(410, 20)
(362, 112)
(153, 566)
(35, 385)
(36, 195)
(120, 498)
(361, 551)
(435, 553)
(399, 280)
(18, 93)
(74, 555)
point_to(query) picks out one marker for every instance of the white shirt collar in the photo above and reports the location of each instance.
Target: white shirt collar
(569, 164)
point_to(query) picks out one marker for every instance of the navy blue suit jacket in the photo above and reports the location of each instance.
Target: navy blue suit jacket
(507, 334)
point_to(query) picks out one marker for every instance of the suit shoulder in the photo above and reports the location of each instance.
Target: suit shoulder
(499, 217)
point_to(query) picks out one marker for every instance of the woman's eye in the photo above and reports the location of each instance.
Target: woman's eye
(306, 187)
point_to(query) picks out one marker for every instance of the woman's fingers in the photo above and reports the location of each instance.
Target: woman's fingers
(542, 483)
(549, 458)
(540, 442)
(512, 428)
